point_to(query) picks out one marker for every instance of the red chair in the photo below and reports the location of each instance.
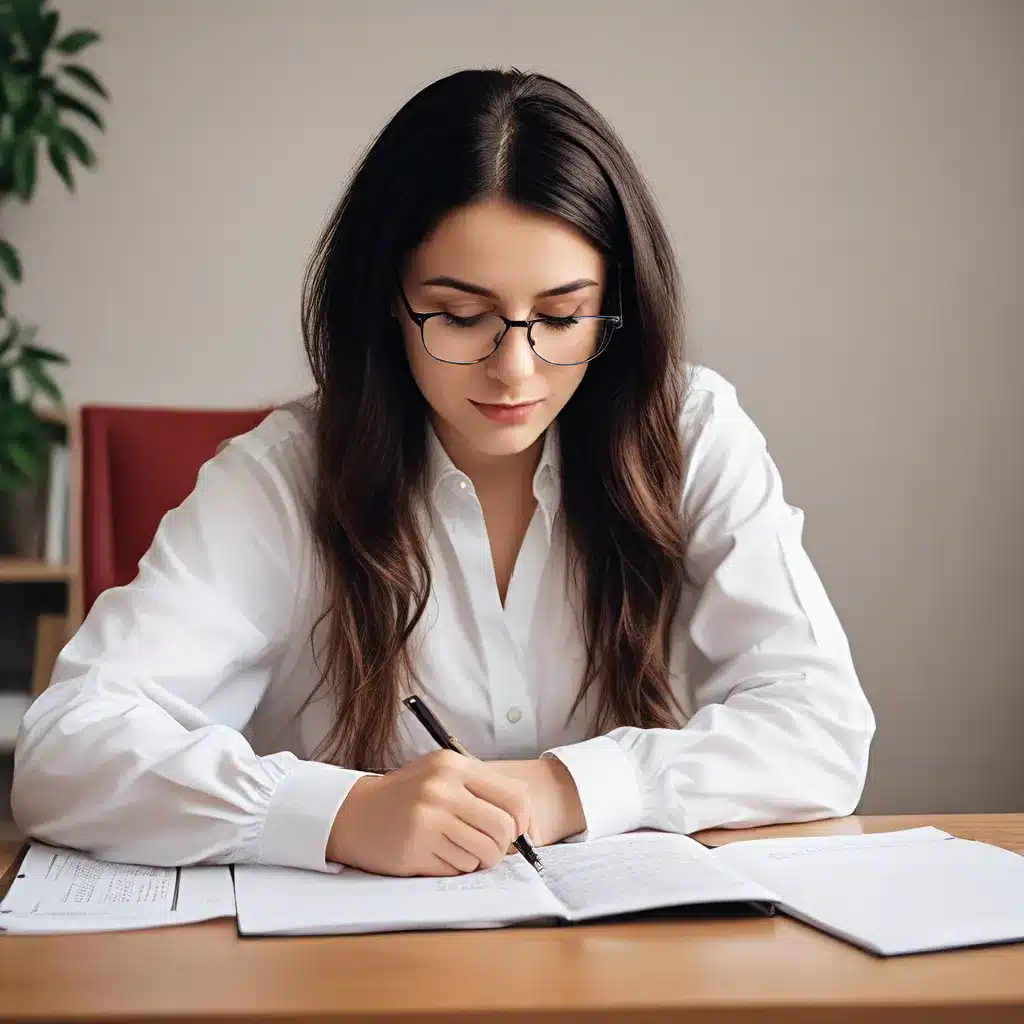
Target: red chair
(137, 464)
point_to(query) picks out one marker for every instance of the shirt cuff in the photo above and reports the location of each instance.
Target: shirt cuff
(301, 813)
(607, 785)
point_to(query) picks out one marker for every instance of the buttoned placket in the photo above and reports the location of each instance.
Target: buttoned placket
(503, 631)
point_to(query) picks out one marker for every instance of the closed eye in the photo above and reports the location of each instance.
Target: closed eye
(451, 320)
(559, 323)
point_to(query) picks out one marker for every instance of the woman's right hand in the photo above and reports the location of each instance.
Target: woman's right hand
(441, 814)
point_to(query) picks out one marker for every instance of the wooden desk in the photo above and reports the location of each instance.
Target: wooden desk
(765, 970)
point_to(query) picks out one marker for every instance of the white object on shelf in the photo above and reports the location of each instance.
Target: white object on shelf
(55, 538)
(12, 709)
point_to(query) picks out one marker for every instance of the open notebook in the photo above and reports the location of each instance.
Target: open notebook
(890, 893)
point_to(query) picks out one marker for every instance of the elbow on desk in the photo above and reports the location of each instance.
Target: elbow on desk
(53, 788)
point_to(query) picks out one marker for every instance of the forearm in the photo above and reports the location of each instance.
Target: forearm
(766, 755)
(555, 807)
(115, 775)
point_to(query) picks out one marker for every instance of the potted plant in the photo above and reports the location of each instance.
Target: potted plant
(46, 96)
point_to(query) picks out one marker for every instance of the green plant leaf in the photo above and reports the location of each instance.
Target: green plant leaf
(3, 301)
(21, 419)
(23, 167)
(65, 101)
(49, 30)
(59, 160)
(86, 78)
(30, 462)
(26, 117)
(26, 333)
(28, 18)
(9, 481)
(45, 355)
(71, 140)
(76, 41)
(15, 89)
(43, 381)
(7, 342)
(9, 260)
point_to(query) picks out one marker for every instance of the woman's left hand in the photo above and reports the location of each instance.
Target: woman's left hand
(555, 809)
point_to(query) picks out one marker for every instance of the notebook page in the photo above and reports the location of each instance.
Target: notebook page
(290, 901)
(892, 892)
(64, 890)
(640, 871)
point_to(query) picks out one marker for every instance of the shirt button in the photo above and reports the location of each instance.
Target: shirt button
(462, 484)
(514, 715)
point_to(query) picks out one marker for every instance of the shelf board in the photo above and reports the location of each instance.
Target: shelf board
(28, 570)
(12, 710)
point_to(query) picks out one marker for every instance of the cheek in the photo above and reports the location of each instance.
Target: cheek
(442, 385)
(563, 383)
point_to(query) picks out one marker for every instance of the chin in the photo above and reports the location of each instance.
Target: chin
(505, 440)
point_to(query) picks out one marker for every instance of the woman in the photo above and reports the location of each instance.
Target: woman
(508, 495)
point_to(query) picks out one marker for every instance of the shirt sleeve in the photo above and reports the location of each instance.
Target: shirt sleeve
(135, 751)
(781, 727)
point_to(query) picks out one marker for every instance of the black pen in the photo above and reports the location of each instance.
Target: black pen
(443, 738)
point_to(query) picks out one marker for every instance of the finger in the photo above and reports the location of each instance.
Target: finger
(456, 855)
(497, 825)
(478, 844)
(499, 791)
(437, 867)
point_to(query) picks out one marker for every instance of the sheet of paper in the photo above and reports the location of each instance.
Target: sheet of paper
(62, 890)
(892, 892)
(289, 901)
(639, 871)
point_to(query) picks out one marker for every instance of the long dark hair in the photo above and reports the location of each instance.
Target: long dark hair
(536, 143)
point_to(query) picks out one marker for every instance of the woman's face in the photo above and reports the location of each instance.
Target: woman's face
(492, 257)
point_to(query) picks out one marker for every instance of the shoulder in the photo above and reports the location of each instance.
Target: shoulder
(707, 397)
(256, 490)
(711, 405)
(278, 452)
(243, 532)
(722, 446)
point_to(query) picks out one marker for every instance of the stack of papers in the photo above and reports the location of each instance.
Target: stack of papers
(59, 890)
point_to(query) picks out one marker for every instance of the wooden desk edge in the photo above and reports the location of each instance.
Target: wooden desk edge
(7, 878)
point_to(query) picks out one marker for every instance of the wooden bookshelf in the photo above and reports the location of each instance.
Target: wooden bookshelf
(27, 570)
(52, 631)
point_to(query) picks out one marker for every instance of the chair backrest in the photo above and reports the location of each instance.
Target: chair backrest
(138, 463)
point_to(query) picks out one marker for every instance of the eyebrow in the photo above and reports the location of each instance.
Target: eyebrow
(475, 289)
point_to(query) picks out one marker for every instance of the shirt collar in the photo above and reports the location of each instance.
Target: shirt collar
(443, 477)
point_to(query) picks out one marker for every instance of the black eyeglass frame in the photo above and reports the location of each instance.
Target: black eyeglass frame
(420, 319)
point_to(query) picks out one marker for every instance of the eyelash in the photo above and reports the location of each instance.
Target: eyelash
(557, 322)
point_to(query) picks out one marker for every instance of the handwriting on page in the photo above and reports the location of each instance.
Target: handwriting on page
(635, 872)
(78, 884)
(804, 851)
(502, 876)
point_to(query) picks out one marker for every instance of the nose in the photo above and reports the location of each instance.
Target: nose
(514, 361)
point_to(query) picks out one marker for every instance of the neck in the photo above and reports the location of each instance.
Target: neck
(491, 472)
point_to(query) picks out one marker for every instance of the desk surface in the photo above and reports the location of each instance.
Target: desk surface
(752, 969)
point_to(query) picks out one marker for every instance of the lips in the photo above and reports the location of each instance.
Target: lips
(500, 412)
(505, 405)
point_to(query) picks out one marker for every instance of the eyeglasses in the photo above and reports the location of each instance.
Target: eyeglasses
(558, 340)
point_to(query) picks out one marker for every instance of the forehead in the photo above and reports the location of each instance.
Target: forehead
(507, 249)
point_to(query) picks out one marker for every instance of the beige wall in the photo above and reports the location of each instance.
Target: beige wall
(845, 184)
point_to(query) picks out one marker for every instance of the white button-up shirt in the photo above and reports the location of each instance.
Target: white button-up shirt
(172, 731)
